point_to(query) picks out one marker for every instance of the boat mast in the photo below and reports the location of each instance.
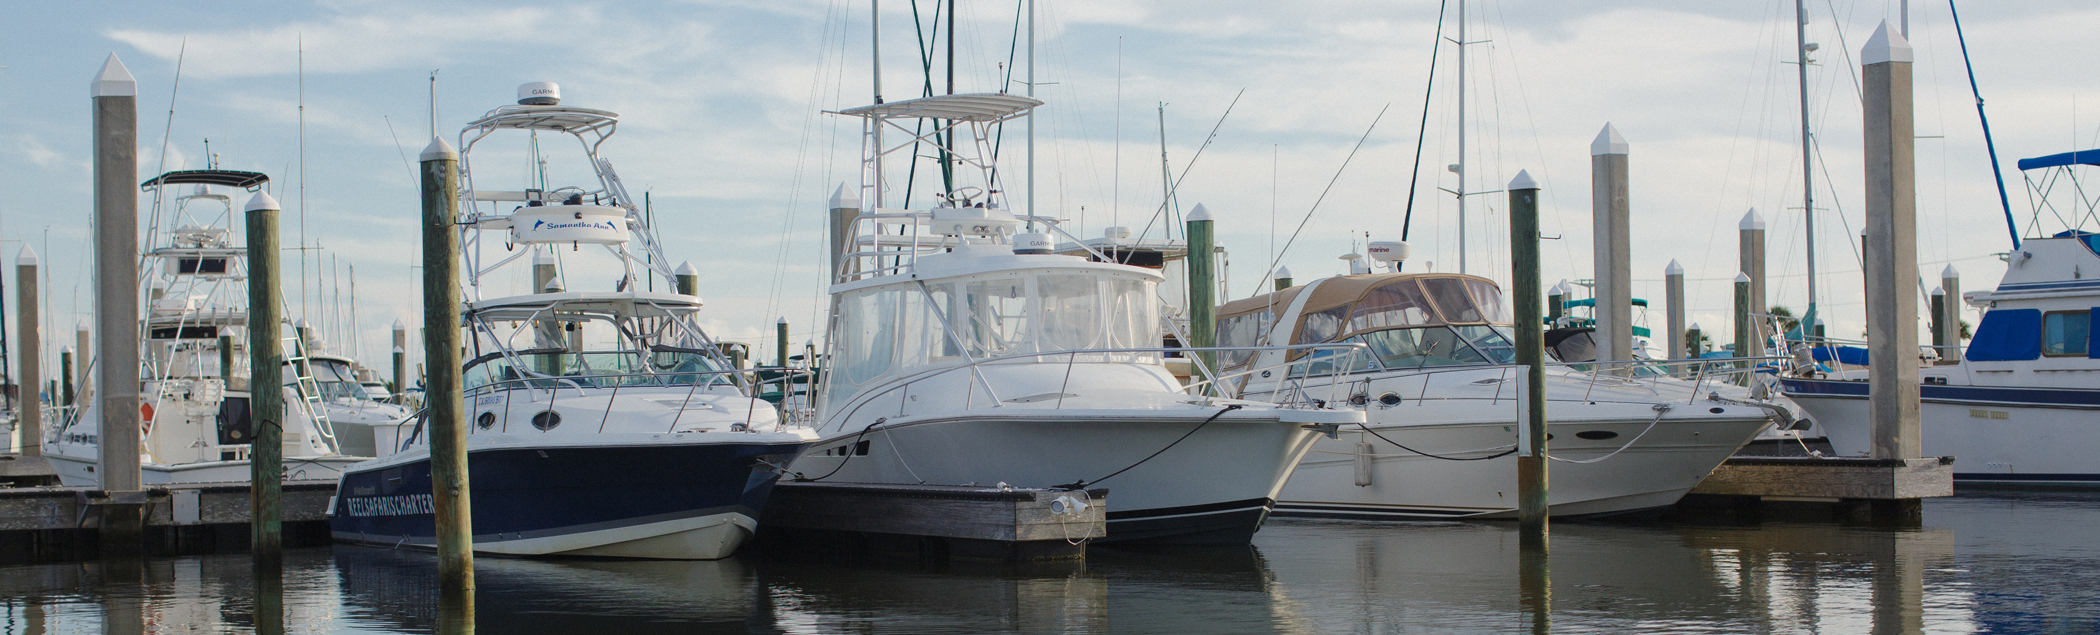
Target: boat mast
(1031, 114)
(1808, 179)
(874, 197)
(1461, 169)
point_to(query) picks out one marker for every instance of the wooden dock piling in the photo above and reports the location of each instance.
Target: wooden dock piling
(265, 380)
(443, 397)
(1532, 501)
(29, 422)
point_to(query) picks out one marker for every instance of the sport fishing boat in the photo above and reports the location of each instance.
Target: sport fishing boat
(194, 384)
(2018, 406)
(963, 352)
(601, 423)
(1435, 374)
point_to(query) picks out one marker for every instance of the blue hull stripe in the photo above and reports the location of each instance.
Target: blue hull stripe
(539, 492)
(2041, 397)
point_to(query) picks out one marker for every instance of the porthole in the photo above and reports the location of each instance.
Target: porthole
(1714, 410)
(1596, 435)
(486, 420)
(546, 420)
(1389, 399)
(1359, 399)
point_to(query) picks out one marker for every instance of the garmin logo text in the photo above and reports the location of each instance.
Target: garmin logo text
(408, 505)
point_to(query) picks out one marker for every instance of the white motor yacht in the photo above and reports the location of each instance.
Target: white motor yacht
(1439, 387)
(961, 353)
(194, 383)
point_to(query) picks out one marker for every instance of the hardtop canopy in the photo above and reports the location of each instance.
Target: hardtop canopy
(229, 178)
(977, 107)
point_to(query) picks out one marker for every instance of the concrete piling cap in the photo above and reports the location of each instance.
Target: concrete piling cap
(839, 199)
(398, 351)
(1201, 213)
(1694, 327)
(783, 319)
(1938, 291)
(398, 326)
(1885, 46)
(1950, 272)
(686, 269)
(540, 257)
(1742, 278)
(1674, 269)
(114, 80)
(261, 201)
(1523, 181)
(27, 257)
(1752, 221)
(1283, 272)
(438, 150)
(301, 324)
(1609, 142)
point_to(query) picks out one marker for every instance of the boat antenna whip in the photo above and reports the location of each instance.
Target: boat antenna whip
(2011, 226)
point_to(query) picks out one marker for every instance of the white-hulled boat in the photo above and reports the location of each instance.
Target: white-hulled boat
(193, 403)
(960, 353)
(1440, 392)
(601, 423)
(2021, 405)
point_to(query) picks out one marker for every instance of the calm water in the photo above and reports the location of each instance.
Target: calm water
(2001, 562)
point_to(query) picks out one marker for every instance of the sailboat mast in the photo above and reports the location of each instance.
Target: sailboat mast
(874, 131)
(1461, 136)
(1808, 178)
(1031, 114)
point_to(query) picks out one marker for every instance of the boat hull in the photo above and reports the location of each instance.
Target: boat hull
(1362, 477)
(1216, 486)
(1998, 435)
(78, 471)
(660, 501)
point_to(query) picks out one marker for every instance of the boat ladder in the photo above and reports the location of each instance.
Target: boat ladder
(309, 389)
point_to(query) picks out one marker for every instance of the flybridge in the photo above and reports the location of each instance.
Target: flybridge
(592, 214)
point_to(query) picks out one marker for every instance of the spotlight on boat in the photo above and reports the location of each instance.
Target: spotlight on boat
(539, 94)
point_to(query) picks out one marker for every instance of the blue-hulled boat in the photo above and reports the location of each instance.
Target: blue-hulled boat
(601, 423)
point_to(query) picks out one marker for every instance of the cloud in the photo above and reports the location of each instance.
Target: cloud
(381, 37)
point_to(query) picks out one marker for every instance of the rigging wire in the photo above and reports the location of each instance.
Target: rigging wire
(1270, 271)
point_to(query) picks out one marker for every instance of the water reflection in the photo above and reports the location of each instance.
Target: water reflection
(1982, 563)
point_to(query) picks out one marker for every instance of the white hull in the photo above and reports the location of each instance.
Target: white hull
(1654, 472)
(80, 471)
(1217, 483)
(1991, 443)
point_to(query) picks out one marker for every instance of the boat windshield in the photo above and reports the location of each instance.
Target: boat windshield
(335, 378)
(662, 366)
(1413, 323)
(898, 328)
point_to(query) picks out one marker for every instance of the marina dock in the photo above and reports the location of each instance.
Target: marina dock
(1853, 488)
(36, 521)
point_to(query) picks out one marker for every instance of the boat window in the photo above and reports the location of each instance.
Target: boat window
(867, 346)
(1489, 299)
(2007, 335)
(1449, 294)
(1242, 330)
(1395, 304)
(1421, 347)
(995, 316)
(1322, 326)
(2066, 333)
(1133, 314)
(1071, 311)
(1492, 342)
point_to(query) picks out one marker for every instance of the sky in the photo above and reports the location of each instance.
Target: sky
(722, 124)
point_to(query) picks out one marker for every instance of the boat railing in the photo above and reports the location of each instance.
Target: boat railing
(1296, 395)
(693, 380)
(1660, 376)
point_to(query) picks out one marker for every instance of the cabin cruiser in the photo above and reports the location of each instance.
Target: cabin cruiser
(963, 352)
(194, 384)
(1435, 373)
(2018, 406)
(600, 423)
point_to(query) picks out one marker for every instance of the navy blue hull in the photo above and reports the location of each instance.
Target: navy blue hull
(553, 491)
